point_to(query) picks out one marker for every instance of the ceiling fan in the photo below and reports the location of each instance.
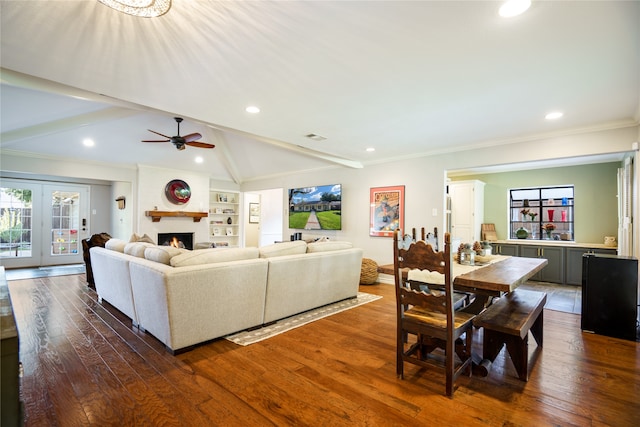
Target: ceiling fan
(181, 141)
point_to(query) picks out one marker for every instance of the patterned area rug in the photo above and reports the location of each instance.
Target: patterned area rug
(295, 321)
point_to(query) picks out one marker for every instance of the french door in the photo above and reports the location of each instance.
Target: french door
(41, 223)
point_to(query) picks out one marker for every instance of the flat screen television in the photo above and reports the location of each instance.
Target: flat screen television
(316, 208)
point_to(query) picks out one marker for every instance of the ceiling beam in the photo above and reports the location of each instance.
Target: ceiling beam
(217, 136)
(55, 126)
(295, 148)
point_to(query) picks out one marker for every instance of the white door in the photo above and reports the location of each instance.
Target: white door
(42, 223)
(462, 212)
(64, 223)
(271, 215)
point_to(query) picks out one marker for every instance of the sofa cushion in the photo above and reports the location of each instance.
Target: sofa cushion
(115, 245)
(144, 238)
(285, 248)
(213, 255)
(162, 254)
(137, 249)
(328, 246)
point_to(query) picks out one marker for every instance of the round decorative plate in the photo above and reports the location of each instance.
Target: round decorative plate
(177, 191)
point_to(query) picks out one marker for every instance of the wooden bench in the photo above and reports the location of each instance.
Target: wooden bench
(508, 321)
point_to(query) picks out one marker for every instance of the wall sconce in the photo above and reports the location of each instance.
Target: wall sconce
(121, 201)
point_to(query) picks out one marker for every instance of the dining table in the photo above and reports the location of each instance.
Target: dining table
(500, 275)
(496, 279)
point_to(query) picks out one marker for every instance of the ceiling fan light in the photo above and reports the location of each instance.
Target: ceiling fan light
(142, 8)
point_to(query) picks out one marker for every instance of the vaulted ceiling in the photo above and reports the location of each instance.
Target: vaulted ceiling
(406, 78)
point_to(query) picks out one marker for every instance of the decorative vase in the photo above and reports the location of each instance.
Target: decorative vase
(550, 214)
(229, 220)
(564, 215)
(522, 233)
(549, 235)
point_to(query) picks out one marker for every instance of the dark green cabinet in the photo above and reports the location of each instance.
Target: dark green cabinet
(505, 249)
(573, 267)
(554, 271)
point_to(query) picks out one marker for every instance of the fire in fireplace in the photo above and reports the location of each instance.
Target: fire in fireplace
(178, 240)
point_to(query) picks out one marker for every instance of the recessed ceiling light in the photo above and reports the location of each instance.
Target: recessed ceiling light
(88, 142)
(512, 8)
(554, 115)
(199, 159)
(252, 109)
(371, 149)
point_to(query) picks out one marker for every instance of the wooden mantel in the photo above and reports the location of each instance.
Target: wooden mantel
(157, 215)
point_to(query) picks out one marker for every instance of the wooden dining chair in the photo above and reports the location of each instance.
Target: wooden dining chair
(429, 317)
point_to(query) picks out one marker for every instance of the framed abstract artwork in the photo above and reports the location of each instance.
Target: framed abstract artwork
(387, 210)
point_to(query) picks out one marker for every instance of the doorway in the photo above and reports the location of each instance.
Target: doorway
(42, 223)
(268, 227)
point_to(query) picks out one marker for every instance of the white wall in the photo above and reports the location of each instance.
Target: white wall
(423, 177)
(424, 181)
(151, 185)
(251, 231)
(122, 219)
(271, 216)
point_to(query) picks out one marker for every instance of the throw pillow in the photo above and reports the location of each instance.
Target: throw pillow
(115, 245)
(285, 248)
(137, 249)
(328, 246)
(210, 256)
(162, 254)
(143, 238)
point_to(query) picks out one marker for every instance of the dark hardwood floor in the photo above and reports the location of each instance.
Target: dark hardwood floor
(84, 364)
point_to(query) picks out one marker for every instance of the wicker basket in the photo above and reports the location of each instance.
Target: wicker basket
(368, 272)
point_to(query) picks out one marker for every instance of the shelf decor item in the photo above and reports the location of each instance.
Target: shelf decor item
(548, 228)
(522, 233)
(550, 214)
(177, 191)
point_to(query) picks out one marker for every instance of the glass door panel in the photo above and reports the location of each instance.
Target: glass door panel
(65, 223)
(20, 236)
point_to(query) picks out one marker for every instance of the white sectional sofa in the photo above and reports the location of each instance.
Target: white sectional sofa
(184, 298)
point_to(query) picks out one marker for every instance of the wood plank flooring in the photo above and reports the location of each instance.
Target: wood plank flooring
(84, 364)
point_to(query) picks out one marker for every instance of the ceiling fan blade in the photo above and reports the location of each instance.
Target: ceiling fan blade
(158, 133)
(192, 137)
(156, 140)
(200, 144)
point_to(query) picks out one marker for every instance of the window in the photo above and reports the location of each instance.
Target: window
(542, 213)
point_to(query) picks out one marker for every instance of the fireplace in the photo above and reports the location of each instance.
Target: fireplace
(179, 240)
